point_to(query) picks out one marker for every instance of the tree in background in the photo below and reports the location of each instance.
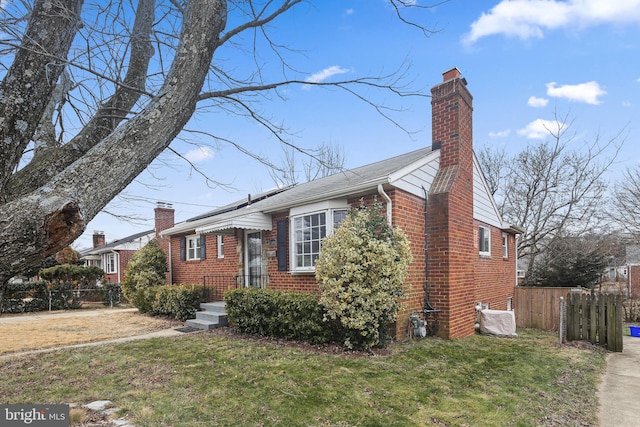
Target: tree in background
(569, 262)
(626, 201)
(320, 162)
(67, 255)
(93, 93)
(146, 270)
(554, 189)
(361, 271)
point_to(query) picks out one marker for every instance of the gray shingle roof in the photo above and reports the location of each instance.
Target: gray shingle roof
(339, 185)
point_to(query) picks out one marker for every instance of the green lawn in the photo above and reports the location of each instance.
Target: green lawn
(211, 380)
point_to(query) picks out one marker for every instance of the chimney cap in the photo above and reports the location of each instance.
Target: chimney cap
(164, 205)
(98, 232)
(453, 73)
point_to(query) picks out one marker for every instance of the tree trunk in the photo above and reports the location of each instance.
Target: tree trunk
(52, 216)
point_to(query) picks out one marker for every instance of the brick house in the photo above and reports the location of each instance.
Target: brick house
(114, 257)
(463, 253)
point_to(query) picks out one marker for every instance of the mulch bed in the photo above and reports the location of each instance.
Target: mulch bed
(331, 348)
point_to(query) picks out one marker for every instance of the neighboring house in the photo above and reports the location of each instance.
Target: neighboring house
(462, 251)
(633, 271)
(114, 257)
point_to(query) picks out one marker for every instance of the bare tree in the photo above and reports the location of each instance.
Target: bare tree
(316, 163)
(626, 201)
(552, 189)
(95, 92)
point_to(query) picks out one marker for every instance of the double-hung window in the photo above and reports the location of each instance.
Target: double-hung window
(484, 234)
(193, 247)
(220, 244)
(111, 263)
(505, 245)
(308, 230)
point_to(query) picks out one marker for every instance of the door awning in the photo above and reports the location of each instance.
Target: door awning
(253, 221)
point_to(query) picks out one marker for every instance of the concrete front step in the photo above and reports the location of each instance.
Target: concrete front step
(215, 307)
(212, 316)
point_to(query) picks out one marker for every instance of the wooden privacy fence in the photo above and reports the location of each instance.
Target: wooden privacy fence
(595, 317)
(538, 308)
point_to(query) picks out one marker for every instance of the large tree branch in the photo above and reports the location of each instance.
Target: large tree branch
(29, 83)
(51, 217)
(109, 115)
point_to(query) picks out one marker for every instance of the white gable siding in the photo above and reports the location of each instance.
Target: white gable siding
(484, 207)
(413, 181)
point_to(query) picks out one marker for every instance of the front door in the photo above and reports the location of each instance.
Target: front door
(254, 260)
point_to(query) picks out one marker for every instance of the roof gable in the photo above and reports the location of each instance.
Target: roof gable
(133, 242)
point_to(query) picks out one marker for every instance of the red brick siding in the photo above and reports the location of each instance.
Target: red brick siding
(192, 272)
(284, 280)
(408, 213)
(633, 274)
(495, 276)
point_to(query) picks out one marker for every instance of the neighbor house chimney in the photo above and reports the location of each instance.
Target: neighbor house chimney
(164, 217)
(450, 208)
(98, 239)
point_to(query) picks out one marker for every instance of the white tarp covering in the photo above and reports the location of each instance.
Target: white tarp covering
(498, 322)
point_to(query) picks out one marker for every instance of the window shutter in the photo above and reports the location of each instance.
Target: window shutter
(183, 249)
(282, 228)
(203, 246)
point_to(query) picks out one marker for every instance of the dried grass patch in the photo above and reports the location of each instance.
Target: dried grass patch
(51, 331)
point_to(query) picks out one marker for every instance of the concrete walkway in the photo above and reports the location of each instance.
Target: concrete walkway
(620, 387)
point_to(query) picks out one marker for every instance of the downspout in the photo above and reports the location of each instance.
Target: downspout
(387, 199)
(515, 255)
(170, 263)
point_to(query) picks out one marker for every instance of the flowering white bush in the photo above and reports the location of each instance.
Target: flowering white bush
(361, 272)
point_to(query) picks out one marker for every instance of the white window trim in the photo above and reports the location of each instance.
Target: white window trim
(107, 264)
(220, 245)
(487, 232)
(327, 207)
(196, 249)
(505, 245)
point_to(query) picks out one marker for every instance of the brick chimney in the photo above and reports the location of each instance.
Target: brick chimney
(450, 209)
(164, 217)
(98, 239)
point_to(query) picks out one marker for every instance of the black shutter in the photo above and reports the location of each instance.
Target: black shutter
(203, 246)
(282, 228)
(183, 249)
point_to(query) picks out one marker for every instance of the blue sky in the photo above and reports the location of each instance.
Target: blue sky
(525, 61)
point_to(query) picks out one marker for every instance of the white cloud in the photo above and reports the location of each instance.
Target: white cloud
(328, 72)
(583, 92)
(540, 129)
(531, 18)
(626, 104)
(500, 133)
(199, 154)
(537, 102)
(349, 11)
